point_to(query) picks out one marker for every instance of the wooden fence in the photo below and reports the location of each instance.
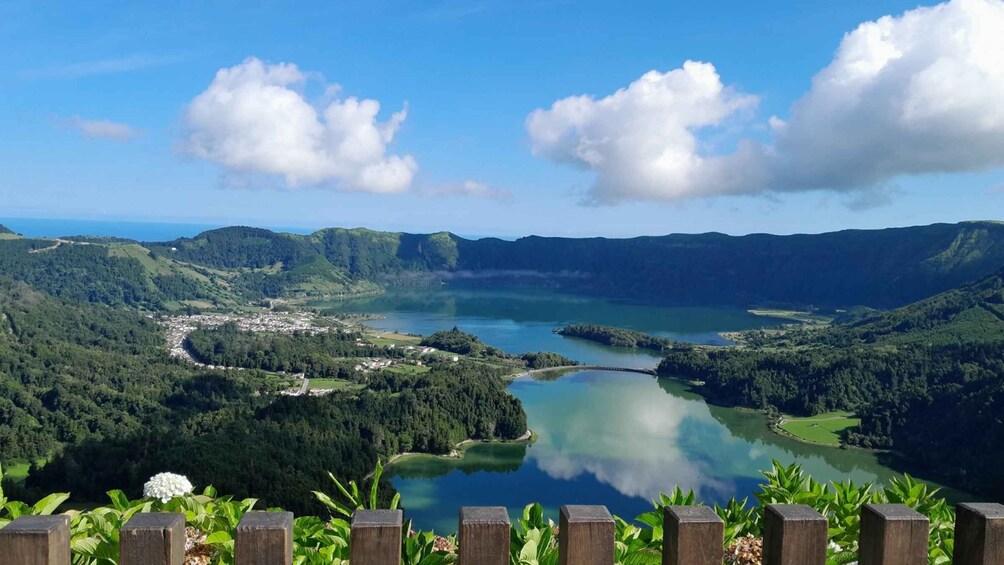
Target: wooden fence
(793, 535)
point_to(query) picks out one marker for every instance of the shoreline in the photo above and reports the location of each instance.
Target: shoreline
(458, 450)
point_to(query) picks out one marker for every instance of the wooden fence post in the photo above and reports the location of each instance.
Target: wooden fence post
(484, 535)
(979, 534)
(153, 539)
(264, 538)
(36, 540)
(376, 537)
(692, 535)
(892, 534)
(793, 534)
(586, 536)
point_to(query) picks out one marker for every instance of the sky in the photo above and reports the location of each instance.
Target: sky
(506, 117)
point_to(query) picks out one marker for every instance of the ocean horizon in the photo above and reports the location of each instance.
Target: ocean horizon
(141, 230)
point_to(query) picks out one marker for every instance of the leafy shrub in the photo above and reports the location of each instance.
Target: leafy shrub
(534, 538)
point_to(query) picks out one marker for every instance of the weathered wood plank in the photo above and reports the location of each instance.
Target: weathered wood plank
(586, 536)
(793, 534)
(153, 539)
(484, 535)
(693, 535)
(36, 540)
(892, 534)
(979, 534)
(376, 537)
(265, 538)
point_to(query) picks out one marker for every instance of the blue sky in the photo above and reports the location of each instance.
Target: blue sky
(115, 110)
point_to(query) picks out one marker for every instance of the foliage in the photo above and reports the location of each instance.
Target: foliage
(547, 360)
(897, 370)
(534, 537)
(463, 343)
(616, 337)
(322, 355)
(880, 268)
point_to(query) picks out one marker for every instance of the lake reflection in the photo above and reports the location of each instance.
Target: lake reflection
(617, 439)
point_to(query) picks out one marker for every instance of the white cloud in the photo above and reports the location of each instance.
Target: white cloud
(103, 129)
(907, 95)
(642, 141)
(254, 118)
(470, 188)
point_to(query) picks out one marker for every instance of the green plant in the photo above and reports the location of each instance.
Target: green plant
(11, 510)
(353, 497)
(532, 540)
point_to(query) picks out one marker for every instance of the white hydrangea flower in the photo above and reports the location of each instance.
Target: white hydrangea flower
(836, 548)
(166, 486)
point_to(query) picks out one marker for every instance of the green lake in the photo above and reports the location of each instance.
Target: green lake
(617, 439)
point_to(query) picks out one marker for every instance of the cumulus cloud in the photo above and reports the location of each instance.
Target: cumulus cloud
(642, 141)
(470, 188)
(255, 119)
(904, 95)
(907, 95)
(103, 129)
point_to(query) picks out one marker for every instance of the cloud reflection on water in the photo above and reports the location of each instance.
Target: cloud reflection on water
(625, 432)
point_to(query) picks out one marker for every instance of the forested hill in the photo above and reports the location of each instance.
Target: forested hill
(925, 379)
(5, 230)
(881, 268)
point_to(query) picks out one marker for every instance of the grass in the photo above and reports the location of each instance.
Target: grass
(823, 429)
(18, 472)
(333, 384)
(406, 369)
(387, 338)
(793, 315)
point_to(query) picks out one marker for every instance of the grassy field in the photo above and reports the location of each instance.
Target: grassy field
(18, 472)
(793, 315)
(407, 369)
(333, 384)
(823, 429)
(388, 338)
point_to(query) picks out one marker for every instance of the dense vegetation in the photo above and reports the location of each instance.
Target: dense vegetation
(279, 451)
(462, 343)
(546, 360)
(5, 230)
(231, 265)
(93, 389)
(74, 372)
(877, 268)
(534, 537)
(925, 379)
(320, 355)
(616, 337)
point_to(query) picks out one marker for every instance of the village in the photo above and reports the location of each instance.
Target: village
(177, 328)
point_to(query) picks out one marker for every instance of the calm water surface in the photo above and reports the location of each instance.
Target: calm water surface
(617, 439)
(518, 321)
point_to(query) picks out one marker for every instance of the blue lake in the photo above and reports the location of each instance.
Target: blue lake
(617, 439)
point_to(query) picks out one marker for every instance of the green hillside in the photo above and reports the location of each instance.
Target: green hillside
(925, 379)
(231, 266)
(878, 268)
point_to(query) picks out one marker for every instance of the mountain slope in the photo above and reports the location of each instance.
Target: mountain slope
(880, 268)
